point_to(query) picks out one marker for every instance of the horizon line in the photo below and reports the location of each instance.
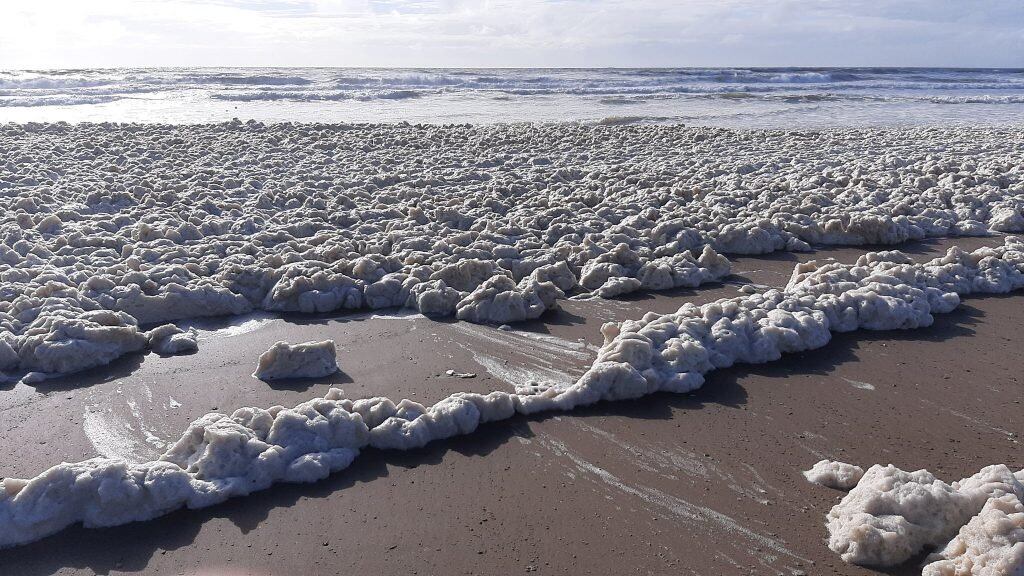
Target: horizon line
(404, 67)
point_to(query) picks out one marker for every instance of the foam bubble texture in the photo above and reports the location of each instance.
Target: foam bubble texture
(105, 227)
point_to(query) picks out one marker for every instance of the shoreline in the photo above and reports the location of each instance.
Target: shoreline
(587, 123)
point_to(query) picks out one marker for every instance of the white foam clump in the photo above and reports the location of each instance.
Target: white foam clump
(832, 474)
(892, 515)
(168, 339)
(304, 360)
(130, 219)
(500, 300)
(622, 270)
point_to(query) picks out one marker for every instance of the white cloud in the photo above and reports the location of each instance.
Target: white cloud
(72, 33)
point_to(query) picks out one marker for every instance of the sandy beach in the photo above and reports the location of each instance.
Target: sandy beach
(478, 287)
(707, 482)
(574, 287)
(561, 348)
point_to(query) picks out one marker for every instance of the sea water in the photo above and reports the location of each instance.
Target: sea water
(729, 97)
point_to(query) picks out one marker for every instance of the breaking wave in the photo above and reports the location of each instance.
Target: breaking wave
(286, 96)
(248, 80)
(315, 96)
(56, 101)
(626, 120)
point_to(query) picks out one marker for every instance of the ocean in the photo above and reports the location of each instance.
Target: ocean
(728, 97)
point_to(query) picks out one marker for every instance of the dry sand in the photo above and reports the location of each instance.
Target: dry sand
(705, 483)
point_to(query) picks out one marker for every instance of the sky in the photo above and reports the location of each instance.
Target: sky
(516, 33)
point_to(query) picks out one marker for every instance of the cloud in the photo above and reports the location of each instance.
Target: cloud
(71, 33)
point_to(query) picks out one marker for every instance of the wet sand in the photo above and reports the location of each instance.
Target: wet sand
(705, 483)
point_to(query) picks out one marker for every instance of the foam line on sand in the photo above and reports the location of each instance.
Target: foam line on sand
(221, 456)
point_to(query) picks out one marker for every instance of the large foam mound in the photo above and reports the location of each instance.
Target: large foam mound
(305, 360)
(221, 456)
(159, 223)
(891, 515)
